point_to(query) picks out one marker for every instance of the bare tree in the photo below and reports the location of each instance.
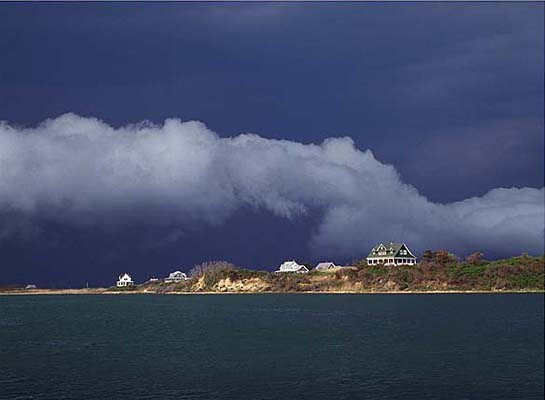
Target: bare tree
(211, 267)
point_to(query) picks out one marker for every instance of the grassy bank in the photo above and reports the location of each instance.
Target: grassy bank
(523, 273)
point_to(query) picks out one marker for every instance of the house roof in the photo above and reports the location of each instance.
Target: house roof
(292, 266)
(325, 265)
(392, 250)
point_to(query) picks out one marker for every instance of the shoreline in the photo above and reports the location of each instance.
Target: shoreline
(89, 292)
(521, 274)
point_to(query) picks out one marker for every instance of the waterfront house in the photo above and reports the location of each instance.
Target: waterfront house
(176, 276)
(30, 287)
(124, 280)
(324, 266)
(391, 254)
(293, 267)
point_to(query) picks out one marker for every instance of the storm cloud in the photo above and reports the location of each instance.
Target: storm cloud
(81, 171)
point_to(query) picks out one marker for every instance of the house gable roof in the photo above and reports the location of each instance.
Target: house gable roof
(325, 265)
(292, 266)
(391, 249)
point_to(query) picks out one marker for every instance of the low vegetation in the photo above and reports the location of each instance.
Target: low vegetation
(437, 271)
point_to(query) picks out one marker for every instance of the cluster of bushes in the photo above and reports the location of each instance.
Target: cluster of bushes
(287, 282)
(517, 273)
(441, 270)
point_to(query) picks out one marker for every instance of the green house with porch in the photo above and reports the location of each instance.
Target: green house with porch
(391, 254)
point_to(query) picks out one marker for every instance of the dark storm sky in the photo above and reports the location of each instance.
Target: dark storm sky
(450, 94)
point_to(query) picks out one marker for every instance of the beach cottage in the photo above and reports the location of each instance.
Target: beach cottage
(324, 266)
(124, 280)
(391, 254)
(293, 267)
(176, 276)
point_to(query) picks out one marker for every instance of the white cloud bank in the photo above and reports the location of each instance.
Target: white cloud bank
(81, 171)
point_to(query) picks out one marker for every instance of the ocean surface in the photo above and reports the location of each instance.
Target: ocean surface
(290, 346)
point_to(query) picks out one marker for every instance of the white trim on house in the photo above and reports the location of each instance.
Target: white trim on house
(381, 250)
(409, 251)
(388, 260)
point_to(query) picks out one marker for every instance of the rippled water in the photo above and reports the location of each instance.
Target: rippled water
(272, 347)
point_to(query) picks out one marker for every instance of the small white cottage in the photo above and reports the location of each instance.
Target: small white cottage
(176, 276)
(124, 280)
(391, 254)
(292, 266)
(325, 266)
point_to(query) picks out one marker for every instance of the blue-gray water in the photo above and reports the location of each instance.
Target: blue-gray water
(272, 347)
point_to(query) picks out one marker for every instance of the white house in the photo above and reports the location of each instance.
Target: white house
(292, 266)
(124, 280)
(324, 266)
(391, 254)
(176, 276)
